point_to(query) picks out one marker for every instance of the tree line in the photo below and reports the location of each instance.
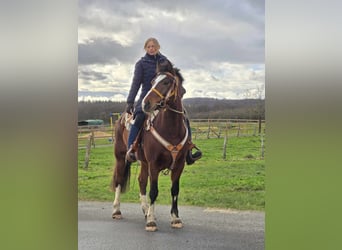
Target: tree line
(197, 108)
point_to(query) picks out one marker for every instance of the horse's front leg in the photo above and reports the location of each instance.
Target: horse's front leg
(151, 218)
(142, 184)
(176, 222)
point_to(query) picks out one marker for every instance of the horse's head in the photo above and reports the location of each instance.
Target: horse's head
(166, 87)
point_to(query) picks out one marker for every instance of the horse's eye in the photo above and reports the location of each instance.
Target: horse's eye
(166, 83)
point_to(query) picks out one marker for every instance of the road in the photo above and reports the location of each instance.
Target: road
(204, 228)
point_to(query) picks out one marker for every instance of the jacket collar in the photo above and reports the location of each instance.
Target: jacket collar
(153, 58)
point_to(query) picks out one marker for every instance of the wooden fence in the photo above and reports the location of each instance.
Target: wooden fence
(92, 136)
(103, 135)
(219, 128)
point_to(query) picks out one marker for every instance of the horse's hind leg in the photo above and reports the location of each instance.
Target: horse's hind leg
(116, 214)
(121, 176)
(175, 220)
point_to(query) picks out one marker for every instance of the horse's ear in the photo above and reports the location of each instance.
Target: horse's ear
(164, 65)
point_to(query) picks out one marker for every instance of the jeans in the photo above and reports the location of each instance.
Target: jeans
(138, 122)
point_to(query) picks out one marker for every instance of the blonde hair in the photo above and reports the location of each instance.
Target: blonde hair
(152, 39)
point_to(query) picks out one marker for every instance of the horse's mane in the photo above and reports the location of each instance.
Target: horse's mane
(167, 66)
(177, 72)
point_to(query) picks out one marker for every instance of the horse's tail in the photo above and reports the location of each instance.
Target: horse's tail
(126, 177)
(122, 169)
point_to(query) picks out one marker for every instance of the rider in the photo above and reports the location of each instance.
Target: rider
(144, 72)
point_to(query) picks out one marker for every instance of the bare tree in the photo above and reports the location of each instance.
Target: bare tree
(259, 94)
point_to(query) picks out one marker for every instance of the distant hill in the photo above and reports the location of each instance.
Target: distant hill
(225, 108)
(197, 108)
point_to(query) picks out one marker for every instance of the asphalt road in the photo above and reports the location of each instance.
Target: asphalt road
(203, 228)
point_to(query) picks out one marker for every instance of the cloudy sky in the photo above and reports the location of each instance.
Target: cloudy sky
(219, 45)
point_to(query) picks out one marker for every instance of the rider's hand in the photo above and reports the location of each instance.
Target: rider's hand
(129, 108)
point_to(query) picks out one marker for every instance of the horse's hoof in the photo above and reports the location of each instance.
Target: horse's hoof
(177, 224)
(117, 216)
(151, 227)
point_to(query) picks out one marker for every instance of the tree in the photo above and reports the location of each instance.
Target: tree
(258, 110)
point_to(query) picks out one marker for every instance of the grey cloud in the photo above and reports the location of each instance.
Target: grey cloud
(181, 40)
(207, 50)
(103, 51)
(101, 93)
(193, 34)
(92, 75)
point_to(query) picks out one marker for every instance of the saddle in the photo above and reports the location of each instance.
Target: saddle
(128, 120)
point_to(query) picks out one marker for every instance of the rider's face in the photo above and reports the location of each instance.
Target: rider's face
(151, 48)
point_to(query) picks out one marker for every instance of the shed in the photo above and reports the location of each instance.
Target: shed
(91, 122)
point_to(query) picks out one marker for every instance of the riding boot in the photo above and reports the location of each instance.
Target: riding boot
(130, 155)
(191, 158)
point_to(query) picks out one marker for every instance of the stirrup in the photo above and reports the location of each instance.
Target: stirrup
(191, 158)
(130, 155)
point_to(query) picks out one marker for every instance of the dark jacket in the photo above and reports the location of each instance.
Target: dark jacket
(144, 72)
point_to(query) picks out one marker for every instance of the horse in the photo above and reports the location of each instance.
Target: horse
(161, 146)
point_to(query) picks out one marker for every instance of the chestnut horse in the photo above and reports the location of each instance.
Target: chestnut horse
(162, 144)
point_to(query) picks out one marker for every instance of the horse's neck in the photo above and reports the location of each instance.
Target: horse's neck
(172, 120)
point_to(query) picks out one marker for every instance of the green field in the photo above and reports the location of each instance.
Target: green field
(237, 182)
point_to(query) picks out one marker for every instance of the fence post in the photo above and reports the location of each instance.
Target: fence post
(238, 133)
(208, 129)
(92, 138)
(225, 142)
(262, 146)
(112, 132)
(195, 132)
(87, 154)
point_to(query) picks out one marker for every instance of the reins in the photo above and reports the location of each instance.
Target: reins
(174, 110)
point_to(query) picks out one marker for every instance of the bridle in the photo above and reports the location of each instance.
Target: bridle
(172, 92)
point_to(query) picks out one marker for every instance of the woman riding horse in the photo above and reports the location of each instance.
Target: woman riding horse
(163, 144)
(144, 72)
